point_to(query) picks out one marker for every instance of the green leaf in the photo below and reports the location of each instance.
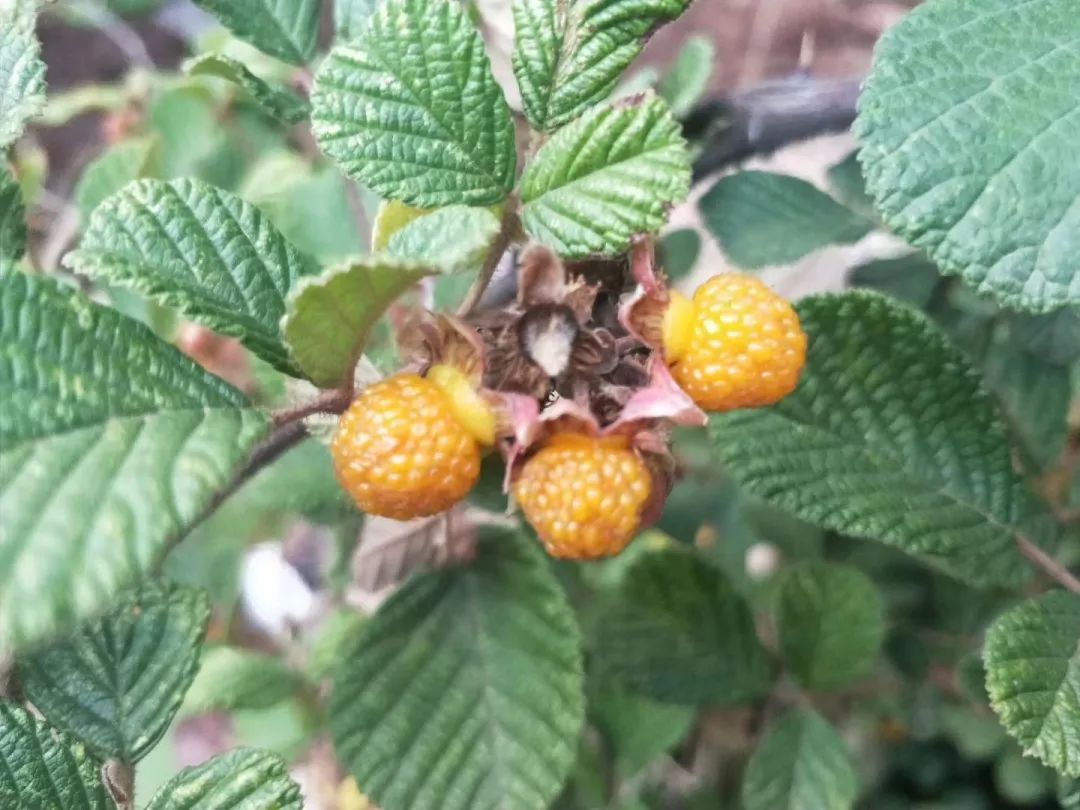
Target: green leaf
(801, 764)
(117, 682)
(608, 176)
(454, 239)
(846, 181)
(410, 108)
(678, 251)
(287, 29)
(638, 729)
(465, 689)
(231, 678)
(41, 768)
(111, 171)
(890, 436)
(1022, 781)
(1034, 396)
(569, 56)
(22, 75)
(911, 278)
(831, 621)
(204, 251)
(326, 338)
(350, 17)
(685, 82)
(677, 631)
(244, 779)
(288, 188)
(113, 444)
(1055, 337)
(1032, 657)
(277, 101)
(966, 125)
(12, 217)
(762, 219)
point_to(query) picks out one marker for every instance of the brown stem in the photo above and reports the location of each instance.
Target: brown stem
(119, 779)
(333, 401)
(491, 261)
(1047, 564)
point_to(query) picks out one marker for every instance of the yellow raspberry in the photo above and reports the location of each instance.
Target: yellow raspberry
(736, 345)
(401, 452)
(584, 495)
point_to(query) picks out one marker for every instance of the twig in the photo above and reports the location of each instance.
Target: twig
(491, 261)
(333, 401)
(1047, 564)
(119, 779)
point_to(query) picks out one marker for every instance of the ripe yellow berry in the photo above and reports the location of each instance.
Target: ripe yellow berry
(736, 345)
(584, 495)
(400, 452)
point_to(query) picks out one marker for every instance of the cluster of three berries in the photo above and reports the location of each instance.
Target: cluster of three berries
(410, 446)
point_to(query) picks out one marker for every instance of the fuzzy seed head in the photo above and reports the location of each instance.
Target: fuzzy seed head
(746, 348)
(400, 453)
(584, 495)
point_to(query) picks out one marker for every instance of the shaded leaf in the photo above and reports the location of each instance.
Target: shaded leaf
(678, 252)
(410, 109)
(762, 219)
(677, 631)
(966, 126)
(831, 621)
(331, 317)
(211, 255)
(113, 444)
(912, 278)
(111, 171)
(465, 689)
(801, 764)
(609, 175)
(638, 729)
(287, 29)
(846, 182)
(686, 80)
(244, 779)
(890, 436)
(1032, 657)
(42, 768)
(280, 102)
(117, 682)
(231, 678)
